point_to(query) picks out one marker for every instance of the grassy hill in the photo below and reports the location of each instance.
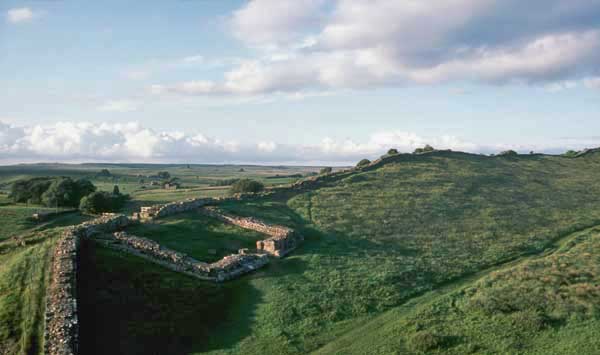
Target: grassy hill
(405, 228)
(417, 253)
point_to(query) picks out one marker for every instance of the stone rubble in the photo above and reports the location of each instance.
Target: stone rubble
(282, 239)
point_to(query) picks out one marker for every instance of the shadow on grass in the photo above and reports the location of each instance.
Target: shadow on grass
(128, 305)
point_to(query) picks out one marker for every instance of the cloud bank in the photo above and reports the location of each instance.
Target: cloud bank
(357, 44)
(132, 142)
(19, 15)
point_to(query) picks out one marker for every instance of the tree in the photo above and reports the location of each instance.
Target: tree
(363, 162)
(247, 185)
(102, 201)
(508, 153)
(570, 153)
(326, 170)
(164, 175)
(427, 148)
(392, 151)
(116, 190)
(29, 190)
(65, 192)
(104, 172)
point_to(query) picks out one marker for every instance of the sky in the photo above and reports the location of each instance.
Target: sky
(294, 81)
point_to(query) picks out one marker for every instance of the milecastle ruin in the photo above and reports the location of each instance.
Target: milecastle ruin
(61, 330)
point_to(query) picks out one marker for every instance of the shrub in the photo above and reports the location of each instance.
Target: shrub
(116, 190)
(325, 170)
(102, 201)
(425, 341)
(425, 149)
(247, 185)
(508, 153)
(363, 162)
(392, 151)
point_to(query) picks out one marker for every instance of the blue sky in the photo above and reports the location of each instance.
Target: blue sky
(305, 81)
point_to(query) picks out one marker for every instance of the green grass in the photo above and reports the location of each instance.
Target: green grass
(23, 281)
(406, 238)
(542, 305)
(196, 235)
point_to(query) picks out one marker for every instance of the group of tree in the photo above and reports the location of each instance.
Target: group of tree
(326, 170)
(51, 191)
(66, 192)
(247, 186)
(427, 148)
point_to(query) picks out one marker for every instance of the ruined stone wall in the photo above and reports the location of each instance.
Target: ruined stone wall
(61, 332)
(227, 268)
(282, 239)
(157, 211)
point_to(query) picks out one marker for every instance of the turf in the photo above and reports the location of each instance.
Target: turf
(542, 305)
(23, 281)
(201, 237)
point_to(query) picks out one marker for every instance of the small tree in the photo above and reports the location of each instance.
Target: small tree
(247, 185)
(326, 170)
(392, 151)
(164, 175)
(363, 163)
(116, 190)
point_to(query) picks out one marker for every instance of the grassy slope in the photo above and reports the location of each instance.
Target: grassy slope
(196, 234)
(541, 305)
(383, 236)
(23, 281)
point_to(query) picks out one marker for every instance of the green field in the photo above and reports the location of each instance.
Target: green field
(199, 236)
(445, 253)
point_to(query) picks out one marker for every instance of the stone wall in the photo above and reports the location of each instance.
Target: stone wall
(227, 268)
(282, 239)
(157, 211)
(61, 332)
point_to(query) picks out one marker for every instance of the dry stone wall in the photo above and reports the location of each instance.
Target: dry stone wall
(61, 330)
(157, 211)
(227, 268)
(282, 239)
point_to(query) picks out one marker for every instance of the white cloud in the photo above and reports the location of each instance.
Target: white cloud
(592, 83)
(314, 45)
(18, 15)
(132, 142)
(273, 22)
(119, 106)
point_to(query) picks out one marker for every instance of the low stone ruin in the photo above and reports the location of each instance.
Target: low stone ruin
(106, 223)
(282, 239)
(227, 268)
(61, 332)
(157, 211)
